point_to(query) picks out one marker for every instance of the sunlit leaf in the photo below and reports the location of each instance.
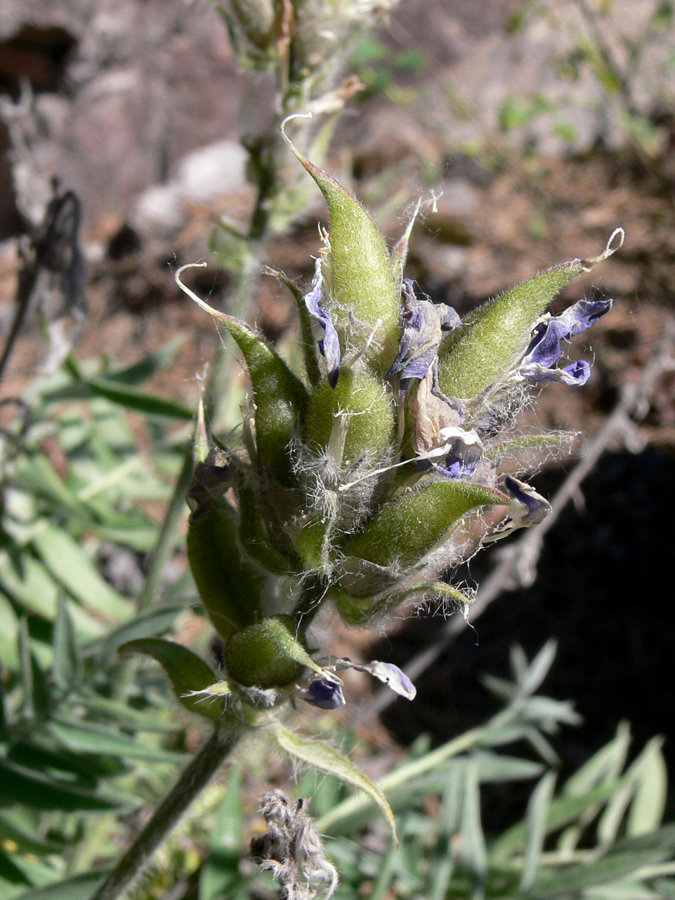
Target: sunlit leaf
(68, 562)
(67, 665)
(327, 759)
(86, 737)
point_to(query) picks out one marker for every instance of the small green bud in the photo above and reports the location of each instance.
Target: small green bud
(408, 527)
(361, 408)
(359, 272)
(266, 655)
(229, 586)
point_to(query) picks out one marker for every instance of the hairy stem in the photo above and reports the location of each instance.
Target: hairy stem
(192, 781)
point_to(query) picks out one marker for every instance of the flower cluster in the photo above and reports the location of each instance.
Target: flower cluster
(363, 481)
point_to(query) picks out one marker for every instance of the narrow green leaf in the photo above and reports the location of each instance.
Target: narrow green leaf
(187, 672)
(36, 473)
(562, 811)
(28, 583)
(150, 365)
(132, 398)
(536, 671)
(36, 699)
(623, 860)
(79, 887)
(85, 737)
(474, 847)
(67, 665)
(646, 810)
(9, 871)
(12, 829)
(42, 754)
(327, 759)
(117, 391)
(150, 719)
(536, 818)
(22, 785)
(607, 764)
(68, 562)
(9, 635)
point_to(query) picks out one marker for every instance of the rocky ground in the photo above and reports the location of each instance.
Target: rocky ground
(531, 162)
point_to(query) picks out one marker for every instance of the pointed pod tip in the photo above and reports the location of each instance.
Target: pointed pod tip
(615, 242)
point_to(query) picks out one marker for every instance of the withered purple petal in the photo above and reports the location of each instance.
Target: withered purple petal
(325, 694)
(394, 677)
(424, 326)
(534, 508)
(576, 373)
(329, 345)
(545, 346)
(461, 460)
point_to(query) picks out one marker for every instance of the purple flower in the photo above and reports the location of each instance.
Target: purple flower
(393, 677)
(545, 346)
(527, 508)
(325, 693)
(387, 673)
(457, 456)
(425, 324)
(329, 345)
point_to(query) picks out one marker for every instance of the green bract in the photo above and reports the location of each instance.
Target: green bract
(354, 419)
(359, 275)
(266, 655)
(407, 528)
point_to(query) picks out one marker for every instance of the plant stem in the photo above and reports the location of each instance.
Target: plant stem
(193, 779)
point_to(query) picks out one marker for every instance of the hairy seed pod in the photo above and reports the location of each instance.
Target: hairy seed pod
(266, 655)
(361, 407)
(229, 586)
(360, 274)
(483, 349)
(280, 399)
(410, 526)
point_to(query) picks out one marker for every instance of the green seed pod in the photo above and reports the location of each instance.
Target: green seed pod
(253, 530)
(280, 397)
(408, 527)
(228, 585)
(266, 655)
(484, 348)
(362, 284)
(354, 418)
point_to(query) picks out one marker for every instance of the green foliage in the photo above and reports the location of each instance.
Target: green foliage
(77, 732)
(578, 838)
(382, 70)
